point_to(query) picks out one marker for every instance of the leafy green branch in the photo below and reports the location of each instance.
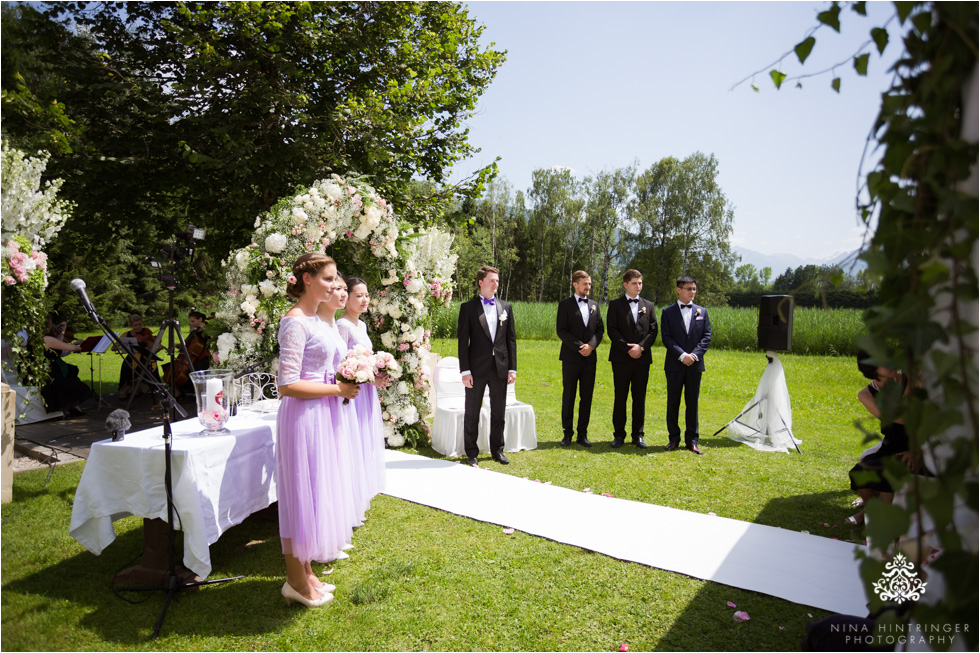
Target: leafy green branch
(803, 49)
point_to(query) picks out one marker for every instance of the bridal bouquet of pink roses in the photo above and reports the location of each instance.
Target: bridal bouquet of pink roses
(357, 367)
(386, 368)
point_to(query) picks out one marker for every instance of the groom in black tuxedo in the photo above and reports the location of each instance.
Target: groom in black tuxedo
(487, 346)
(687, 336)
(632, 331)
(579, 325)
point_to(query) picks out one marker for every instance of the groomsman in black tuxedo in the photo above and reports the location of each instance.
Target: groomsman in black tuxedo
(632, 330)
(687, 336)
(579, 325)
(487, 346)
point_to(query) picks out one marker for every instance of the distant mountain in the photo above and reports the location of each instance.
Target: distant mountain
(779, 262)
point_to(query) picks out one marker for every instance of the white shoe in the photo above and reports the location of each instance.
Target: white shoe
(327, 588)
(291, 595)
(347, 547)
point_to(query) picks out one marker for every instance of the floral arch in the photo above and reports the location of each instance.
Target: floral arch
(408, 271)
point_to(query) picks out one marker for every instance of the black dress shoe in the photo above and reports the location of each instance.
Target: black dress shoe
(672, 446)
(616, 443)
(640, 443)
(584, 441)
(566, 441)
(472, 461)
(501, 458)
(693, 447)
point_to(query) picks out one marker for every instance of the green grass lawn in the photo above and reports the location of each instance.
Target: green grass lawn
(421, 579)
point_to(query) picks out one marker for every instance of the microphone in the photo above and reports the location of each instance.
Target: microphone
(79, 287)
(117, 423)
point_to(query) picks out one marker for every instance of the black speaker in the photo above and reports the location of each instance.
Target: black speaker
(776, 322)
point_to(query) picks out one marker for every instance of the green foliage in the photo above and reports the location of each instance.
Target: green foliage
(804, 47)
(207, 113)
(777, 77)
(831, 17)
(23, 309)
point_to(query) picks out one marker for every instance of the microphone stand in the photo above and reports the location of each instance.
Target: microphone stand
(174, 583)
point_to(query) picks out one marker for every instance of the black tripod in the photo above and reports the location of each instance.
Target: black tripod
(173, 583)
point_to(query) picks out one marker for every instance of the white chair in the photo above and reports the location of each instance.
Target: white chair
(255, 387)
(520, 425)
(447, 425)
(430, 362)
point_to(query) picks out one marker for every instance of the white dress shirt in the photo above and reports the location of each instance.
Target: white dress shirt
(686, 315)
(634, 308)
(490, 310)
(583, 308)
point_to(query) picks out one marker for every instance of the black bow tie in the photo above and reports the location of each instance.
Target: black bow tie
(583, 299)
(633, 301)
(685, 306)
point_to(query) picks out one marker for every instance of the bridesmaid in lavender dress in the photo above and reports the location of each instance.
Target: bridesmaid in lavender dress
(310, 472)
(367, 405)
(354, 499)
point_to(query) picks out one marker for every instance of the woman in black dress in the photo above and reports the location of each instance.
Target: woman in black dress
(64, 390)
(867, 478)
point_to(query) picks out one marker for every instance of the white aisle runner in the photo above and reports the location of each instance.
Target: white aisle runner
(801, 568)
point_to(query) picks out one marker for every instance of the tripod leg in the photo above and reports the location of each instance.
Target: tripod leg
(747, 409)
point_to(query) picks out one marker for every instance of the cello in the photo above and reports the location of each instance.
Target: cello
(178, 372)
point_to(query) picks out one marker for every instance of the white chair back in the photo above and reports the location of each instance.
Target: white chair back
(255, 387)
(447, 379)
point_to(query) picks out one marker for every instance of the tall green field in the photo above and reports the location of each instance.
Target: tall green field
(831, 332)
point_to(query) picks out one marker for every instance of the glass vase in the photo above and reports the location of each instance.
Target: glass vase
(212, 388)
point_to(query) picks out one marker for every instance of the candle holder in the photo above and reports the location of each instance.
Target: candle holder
(212, 388)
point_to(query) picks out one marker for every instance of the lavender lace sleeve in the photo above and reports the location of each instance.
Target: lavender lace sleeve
(292, 343)
(347, 333)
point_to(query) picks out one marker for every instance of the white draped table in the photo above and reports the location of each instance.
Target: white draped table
(218, 481)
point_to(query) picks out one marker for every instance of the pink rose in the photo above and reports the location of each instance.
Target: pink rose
(10, 280)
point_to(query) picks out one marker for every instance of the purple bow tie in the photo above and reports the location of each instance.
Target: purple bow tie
(488, 302)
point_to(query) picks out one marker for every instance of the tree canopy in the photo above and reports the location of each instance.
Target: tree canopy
(168, 114)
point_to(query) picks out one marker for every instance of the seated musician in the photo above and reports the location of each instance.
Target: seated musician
(200, 357)
(144, 342)
(64, 390)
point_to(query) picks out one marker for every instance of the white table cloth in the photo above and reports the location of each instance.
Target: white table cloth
(218, 481)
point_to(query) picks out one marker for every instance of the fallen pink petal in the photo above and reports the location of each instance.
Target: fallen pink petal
(712, 514)
(732, 605)
(606, 494)
(623, 647)
(508, 531)
(741, 616)
(328, 572)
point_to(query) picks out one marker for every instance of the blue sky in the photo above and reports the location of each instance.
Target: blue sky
(595, 85)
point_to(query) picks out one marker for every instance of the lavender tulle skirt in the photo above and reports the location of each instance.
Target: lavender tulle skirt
(317, 510)
(369, 448)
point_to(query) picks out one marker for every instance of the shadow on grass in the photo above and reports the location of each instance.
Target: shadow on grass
(771, 626)
(77, 593)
